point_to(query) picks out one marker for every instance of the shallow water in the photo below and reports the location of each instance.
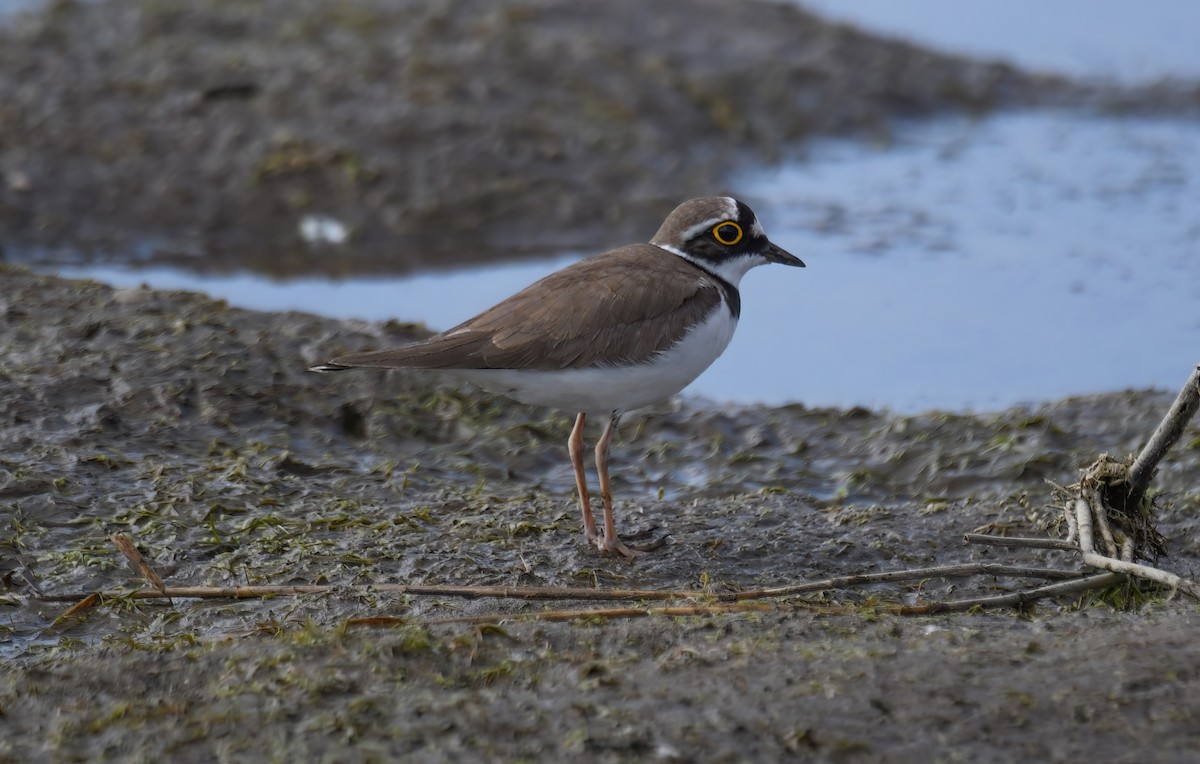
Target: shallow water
(10, 7)
(977, 265)
(964, 265)
(1122, 40)
(967, 265)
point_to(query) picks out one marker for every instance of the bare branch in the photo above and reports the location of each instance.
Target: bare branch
(575, 593)
(912, 574)
(1143, 571)
(1019, 541)
(1072, 529)
(1083, 515)
(1100, 516)
(1017, 599)
(500, 592)
(583, 614)
(1083, 521)
(75, 609)
(1127, 549)
(1168, 433)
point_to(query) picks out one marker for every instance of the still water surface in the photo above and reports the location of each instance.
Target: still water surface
(965, 265)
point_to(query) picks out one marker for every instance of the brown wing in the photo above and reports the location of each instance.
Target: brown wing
(638, 299)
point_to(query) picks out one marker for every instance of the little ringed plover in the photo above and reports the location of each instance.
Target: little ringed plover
(611, 333)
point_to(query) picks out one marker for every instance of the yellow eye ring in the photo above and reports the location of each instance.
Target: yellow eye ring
(728, 233)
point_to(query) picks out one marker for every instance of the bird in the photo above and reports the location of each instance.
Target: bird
(609, 334)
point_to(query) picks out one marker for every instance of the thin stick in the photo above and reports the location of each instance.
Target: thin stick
(1072, 530)
(1168, 433)
(126, 546)
(1100, 516)
(575, 615)
(1083, 520)
(1016, 599)
(1008, 600)
(501, 592)
(576, 593)
(913, 574)
(1184, 585)
(1019, 541)
(1083, 514)
(77, 608)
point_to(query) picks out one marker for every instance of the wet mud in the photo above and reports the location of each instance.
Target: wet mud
(194, 428)
(200, 135)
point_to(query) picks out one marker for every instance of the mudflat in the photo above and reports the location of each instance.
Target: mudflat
(194, 428)
(199, 133)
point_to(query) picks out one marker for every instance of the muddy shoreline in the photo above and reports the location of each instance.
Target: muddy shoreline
(199, 134)
(194, 427)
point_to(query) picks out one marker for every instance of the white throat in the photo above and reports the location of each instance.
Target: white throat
(730, 271)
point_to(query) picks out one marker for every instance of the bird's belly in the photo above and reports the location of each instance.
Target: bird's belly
(603, 389)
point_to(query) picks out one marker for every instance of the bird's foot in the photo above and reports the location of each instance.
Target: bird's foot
(616, 546)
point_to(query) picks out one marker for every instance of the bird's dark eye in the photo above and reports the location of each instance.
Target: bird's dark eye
(728, 233)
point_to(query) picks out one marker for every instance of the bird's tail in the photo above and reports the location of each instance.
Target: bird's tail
(331, 366)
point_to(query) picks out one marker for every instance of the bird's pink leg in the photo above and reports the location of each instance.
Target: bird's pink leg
(575, 446)
(611, 542)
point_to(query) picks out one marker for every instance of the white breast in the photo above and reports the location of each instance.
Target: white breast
(616, 388)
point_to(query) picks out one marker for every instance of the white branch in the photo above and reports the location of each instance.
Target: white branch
(1083, 515)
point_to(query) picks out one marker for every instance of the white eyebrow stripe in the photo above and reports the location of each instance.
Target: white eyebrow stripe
(700, 228)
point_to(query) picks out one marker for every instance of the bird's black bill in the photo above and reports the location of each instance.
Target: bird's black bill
(776, 254)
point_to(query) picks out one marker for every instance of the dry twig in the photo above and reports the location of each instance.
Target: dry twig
(911, 574)
(1116, 491)
(126, 546)
(1019, 541)
(471, 592)
(1017, 599)
(1165, 436)
(1084, 512)
(75, 609)
(576, 593)
(576, 615)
